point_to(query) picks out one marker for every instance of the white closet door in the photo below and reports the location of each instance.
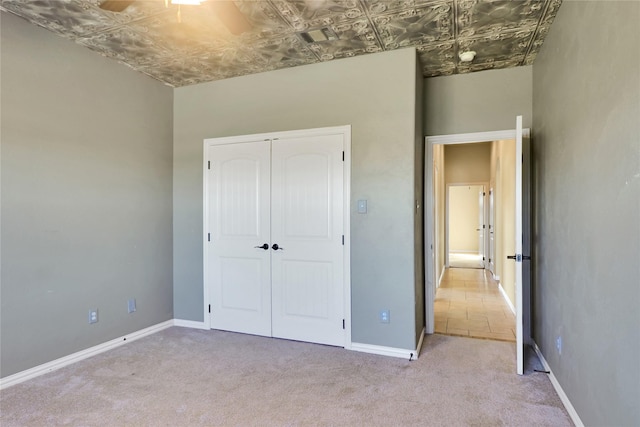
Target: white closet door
(239, 221)
(307, 227)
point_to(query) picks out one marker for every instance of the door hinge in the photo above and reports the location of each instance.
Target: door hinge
(208, 164)
(209, 308)
(343, 156)
(343, 327)
(208, 237)
(343, 240)
(483, 258)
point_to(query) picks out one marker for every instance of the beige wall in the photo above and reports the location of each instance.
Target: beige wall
(439, 197)
(467, 163)
(463, 218)
(503, 183)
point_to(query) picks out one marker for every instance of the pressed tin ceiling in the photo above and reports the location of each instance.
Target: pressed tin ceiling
(148, 37)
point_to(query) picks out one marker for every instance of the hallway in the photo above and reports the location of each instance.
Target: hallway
(468, 303)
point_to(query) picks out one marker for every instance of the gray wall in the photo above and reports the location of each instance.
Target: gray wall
(586, 106)
(418, 224)
(86, 197)
(477, 102)
(376, 94)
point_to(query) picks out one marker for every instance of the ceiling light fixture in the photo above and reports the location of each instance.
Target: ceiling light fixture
(180, 3)
(467, 56)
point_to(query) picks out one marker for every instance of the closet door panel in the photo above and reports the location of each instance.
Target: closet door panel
(239, 221)
(307, 227)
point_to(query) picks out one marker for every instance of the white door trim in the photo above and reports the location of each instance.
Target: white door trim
(345, 131)
(430, 141)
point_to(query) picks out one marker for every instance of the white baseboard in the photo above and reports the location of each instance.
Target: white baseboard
(189, 324)
(45, 368)
(389, 351)
(80, 355)
(420, 341)
(506, 298)
(441, 275)
(556, 385)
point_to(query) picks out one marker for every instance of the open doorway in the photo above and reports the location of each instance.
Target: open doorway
(466, 294)
(469, 300)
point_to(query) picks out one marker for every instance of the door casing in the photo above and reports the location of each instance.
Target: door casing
(429, 225)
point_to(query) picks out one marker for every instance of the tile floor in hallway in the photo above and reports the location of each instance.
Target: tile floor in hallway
(469, 303)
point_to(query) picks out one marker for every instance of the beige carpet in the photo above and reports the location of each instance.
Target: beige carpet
(183, 377)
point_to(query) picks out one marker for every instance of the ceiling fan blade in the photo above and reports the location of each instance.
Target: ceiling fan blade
(230, 16)
(115, 5)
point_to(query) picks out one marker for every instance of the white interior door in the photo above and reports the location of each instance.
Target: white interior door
(481, 227)
(307, 230)
(522, 245)
(275, 220)
(492, 247)
(239, 273)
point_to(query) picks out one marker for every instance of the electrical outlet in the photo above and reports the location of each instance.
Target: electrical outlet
(559, 344)
(93, 315)
(384, 316)
(131, 305)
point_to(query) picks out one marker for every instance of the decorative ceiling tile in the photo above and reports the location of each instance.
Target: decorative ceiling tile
(477, 17)
(196, 30)
(498, 47)
(69, 19)
(354, 38)
(427, 25)
(438, 59)
(264, 18)
(196, 46)
(379, 7)
(542, 30)
(127, 45)
(283, 52)
(463, 68)
(310, 14)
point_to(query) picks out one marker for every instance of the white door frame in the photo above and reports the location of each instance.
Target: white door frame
(429, 225)
(345, 131)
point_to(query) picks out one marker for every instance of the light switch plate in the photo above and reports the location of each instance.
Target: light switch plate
(362, 206)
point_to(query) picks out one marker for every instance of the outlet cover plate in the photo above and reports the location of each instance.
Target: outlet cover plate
(93, 315)
(131, 305)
